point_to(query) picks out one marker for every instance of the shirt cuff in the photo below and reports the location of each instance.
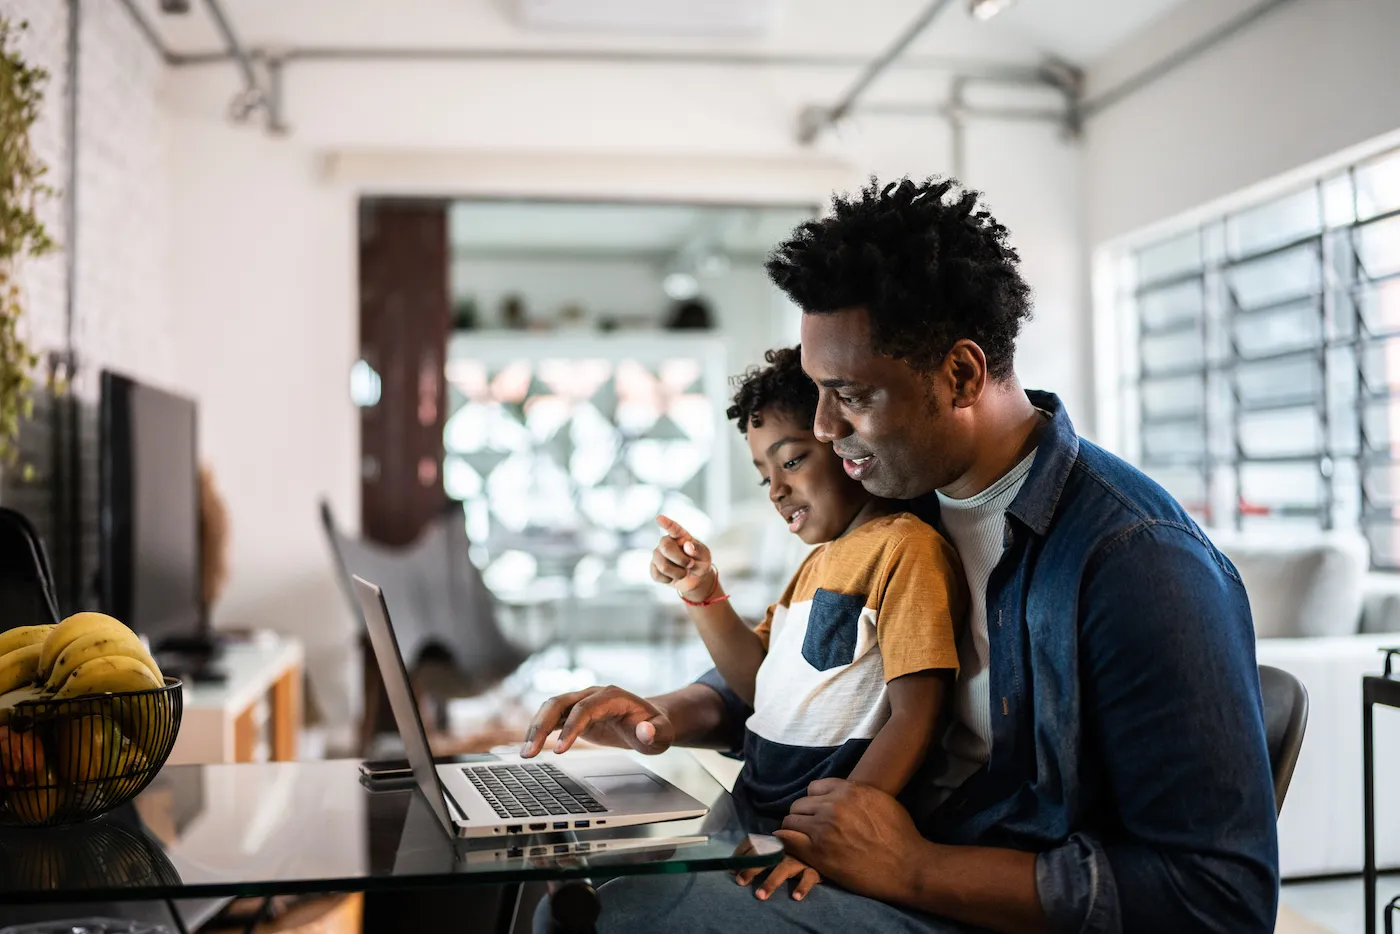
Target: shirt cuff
(1076, 888)
(736, 711)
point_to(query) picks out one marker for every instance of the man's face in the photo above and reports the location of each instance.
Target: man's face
(895, 428)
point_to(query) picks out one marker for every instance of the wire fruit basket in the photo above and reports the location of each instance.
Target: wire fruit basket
(68, 761)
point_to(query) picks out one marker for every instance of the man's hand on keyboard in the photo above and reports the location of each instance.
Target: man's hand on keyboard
(608, 716)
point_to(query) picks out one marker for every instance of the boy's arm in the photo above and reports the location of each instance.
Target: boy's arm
(922, 602)
(684, 562)
(916, 706)
(736, 650)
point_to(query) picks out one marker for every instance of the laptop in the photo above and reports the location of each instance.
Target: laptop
(511, 795)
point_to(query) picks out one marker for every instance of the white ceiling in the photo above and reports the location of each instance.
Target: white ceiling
(609, 229)
(1080, 31)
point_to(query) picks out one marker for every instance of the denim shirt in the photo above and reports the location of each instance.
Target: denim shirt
(1128, 745)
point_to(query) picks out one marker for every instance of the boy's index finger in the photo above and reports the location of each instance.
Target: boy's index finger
(671, 528)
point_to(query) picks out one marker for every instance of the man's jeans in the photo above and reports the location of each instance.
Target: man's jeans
(713, 902)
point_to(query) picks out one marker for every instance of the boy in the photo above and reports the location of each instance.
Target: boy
(848, 670)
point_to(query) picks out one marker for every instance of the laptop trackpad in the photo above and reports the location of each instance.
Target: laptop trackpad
(631, 785)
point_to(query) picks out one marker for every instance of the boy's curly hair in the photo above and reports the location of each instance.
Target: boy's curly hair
(780, 385)
(931, 272)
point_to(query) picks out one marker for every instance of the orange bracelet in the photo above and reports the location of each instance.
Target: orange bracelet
(711, 600)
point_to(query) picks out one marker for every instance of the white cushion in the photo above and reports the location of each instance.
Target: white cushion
(1300, 585)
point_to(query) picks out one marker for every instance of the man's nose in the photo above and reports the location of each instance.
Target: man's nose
(829, 425)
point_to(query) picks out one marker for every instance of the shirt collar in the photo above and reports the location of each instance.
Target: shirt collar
(1055, 457)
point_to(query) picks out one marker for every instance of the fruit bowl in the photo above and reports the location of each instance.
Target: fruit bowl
(65, 761)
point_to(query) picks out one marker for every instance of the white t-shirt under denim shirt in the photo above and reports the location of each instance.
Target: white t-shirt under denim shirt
(976, 527)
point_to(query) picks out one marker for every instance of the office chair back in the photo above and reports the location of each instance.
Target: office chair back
(26, 583)
(435, 593)
(1285, 720)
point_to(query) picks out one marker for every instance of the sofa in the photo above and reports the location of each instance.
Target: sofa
(1321, 614)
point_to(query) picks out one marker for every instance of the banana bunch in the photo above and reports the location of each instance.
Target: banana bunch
(20, 651)
(90, 653)
(86, 654)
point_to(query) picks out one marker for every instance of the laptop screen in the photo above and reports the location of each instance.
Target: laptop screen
(395, 676)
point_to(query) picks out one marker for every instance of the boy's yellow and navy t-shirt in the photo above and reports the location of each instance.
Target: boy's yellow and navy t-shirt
(880, 602)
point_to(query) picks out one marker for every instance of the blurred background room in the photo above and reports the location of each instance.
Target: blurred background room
(448, 294)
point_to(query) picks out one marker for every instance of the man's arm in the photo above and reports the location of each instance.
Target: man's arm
(864, 840)
(1171, 707)
(698, 715)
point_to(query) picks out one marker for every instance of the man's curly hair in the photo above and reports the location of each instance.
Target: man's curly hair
(931, 272)
(780, 385)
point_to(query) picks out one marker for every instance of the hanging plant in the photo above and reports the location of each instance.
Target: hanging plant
(21, 233)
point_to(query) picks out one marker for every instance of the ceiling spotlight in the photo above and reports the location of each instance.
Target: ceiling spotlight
(986, 9)
(174, 6)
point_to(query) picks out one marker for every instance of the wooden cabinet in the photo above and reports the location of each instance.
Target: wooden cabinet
(255, 715)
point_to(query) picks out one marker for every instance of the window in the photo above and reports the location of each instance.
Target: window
(1265, 348)
(570, 446)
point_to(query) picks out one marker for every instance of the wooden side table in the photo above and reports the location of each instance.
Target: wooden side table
(254, 715)
(1383, 689)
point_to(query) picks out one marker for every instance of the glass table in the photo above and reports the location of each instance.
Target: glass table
(212, 831)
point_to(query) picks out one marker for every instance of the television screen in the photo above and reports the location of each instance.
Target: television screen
(149, 504)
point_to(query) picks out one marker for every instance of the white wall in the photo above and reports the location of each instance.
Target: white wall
(264, 277)
(1309, 79)
(264, 248)
(122, 305)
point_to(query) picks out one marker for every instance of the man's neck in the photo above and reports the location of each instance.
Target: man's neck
(1009, 428)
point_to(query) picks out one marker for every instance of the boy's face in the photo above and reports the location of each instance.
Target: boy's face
(804, 478)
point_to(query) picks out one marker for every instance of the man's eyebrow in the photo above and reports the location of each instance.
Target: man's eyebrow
(835, 383)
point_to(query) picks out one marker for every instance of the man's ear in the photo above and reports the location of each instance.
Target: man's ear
(965, 373)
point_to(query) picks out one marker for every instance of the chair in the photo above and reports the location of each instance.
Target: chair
(1285, 720)
(26, 583)
(444, 616)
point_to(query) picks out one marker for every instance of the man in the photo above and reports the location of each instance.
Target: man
(1106, 769)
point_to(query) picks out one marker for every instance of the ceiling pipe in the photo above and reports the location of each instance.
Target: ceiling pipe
(991, 71)
(1115, 95)
(268, 96)
(253, 96)
(144, 26)
(815, 119)
(943, 111)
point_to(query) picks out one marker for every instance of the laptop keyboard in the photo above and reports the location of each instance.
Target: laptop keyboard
(531, 790)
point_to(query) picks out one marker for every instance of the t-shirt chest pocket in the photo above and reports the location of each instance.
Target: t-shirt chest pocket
(833, 629)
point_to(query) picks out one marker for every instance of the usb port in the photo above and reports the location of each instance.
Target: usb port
(540, 826)
(512, 828)
(561, 825)
(583, 847)
(581, 824)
